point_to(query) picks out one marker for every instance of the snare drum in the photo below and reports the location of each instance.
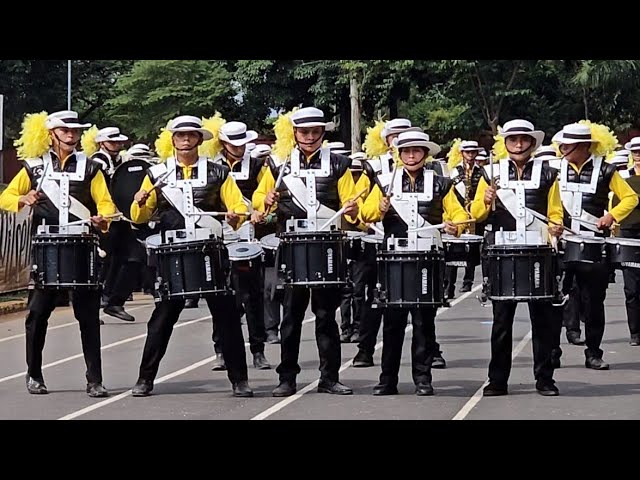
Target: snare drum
(521, 273)
(65, 261)
(462, 251)
(270, 245)
(409, 279)
(313, 259)
(582, 249)
(354, 245)
(623, 252)
(195, 268)
(245, 256)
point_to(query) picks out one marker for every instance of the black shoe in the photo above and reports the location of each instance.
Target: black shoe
(355, 336)
(345, 337)
(96, 390)
(260, 362)
(465, 288)
(191, 303)
(272, 338)
(438, 362)
(635, 340)
(451, 294)
(104, 301)
(284, 389)
(424, 390)
(130, 298)
(362, 360)
(382, 389)
(218, 363)
(118, 312)
(334, 388)
(573, 338)
(101, 322)
(142, 389)
(242, 389)
(555, 362)
(36, 386)
(547, 389)
(596, 363)
(493, 390)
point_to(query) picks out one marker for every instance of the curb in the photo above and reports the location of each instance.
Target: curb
(13, 306)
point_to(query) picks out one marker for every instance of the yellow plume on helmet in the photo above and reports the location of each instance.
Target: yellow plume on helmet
(285, 138)
(212, 147)
(34, 137)
(455, 154)
(164, 143)
(374, 145)
(607, 141)
(88, 141)
(499, 148)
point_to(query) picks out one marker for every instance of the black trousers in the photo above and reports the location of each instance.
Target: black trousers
(165, 316)
(542, 330)
(423, 344)
(632, 298)
(249, 287)
(86, 308)
(272, 300)
(125, 267)
(353, 298)
(324, 302)
(451, 275)
(370, 318)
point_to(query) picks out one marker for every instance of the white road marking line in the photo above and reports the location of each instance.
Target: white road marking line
(283, 403)
(105, 347)
(473, 401)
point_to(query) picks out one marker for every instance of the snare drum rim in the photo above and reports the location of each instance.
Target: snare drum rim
(627, 242)
(249, 245)
(584, 239)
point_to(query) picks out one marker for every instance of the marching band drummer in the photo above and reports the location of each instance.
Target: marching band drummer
(540, 193)
(89, 197)
(334, 189)
(414, 147)
(585, 181)
(219, 190)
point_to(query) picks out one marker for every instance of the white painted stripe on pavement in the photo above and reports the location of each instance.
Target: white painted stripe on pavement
(104, 315)
(283, 403)
(105, 347)
(473, 401)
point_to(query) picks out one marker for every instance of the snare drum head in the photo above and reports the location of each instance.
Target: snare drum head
(125, 183)
(464, 238)
(153, 241)
(270, 241)
(372, 238)
(244, 250)
(583, 238)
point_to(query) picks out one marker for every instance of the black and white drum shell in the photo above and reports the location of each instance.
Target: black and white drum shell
(270, 244)
(521, 273)
(408, 279)
(371, 245)
(623, 252)
(355, 249)
(582, 249)
(462, 251)
(65, 261)
(198, 268)
(313, 259)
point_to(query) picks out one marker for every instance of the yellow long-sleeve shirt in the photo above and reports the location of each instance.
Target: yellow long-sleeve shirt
(480, 211)
(230, 195)
(21, 185)
(346, 191)
(453, 211)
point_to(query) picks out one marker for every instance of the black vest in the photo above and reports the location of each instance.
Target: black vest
(206, 198)
(535, 199)
(107, 162)
(431, 211)
(326, 187)
(248, 186)
(80, 190)
(593, 203)
(632, 222)
(470, 186)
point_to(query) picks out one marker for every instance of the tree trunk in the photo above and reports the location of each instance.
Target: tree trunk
(354, 95)
(586, 106)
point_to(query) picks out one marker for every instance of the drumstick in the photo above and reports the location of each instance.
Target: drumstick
(279, 181)
(389, 191)
(87, 220)
(493, 181)
(540, 216)
(44, 172)
(217, 214)
(376, 229)
(160, 181)
(341, 211)
(442, 225)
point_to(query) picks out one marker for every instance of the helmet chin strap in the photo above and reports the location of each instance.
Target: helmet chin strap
(70, 144)
(227, 154)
